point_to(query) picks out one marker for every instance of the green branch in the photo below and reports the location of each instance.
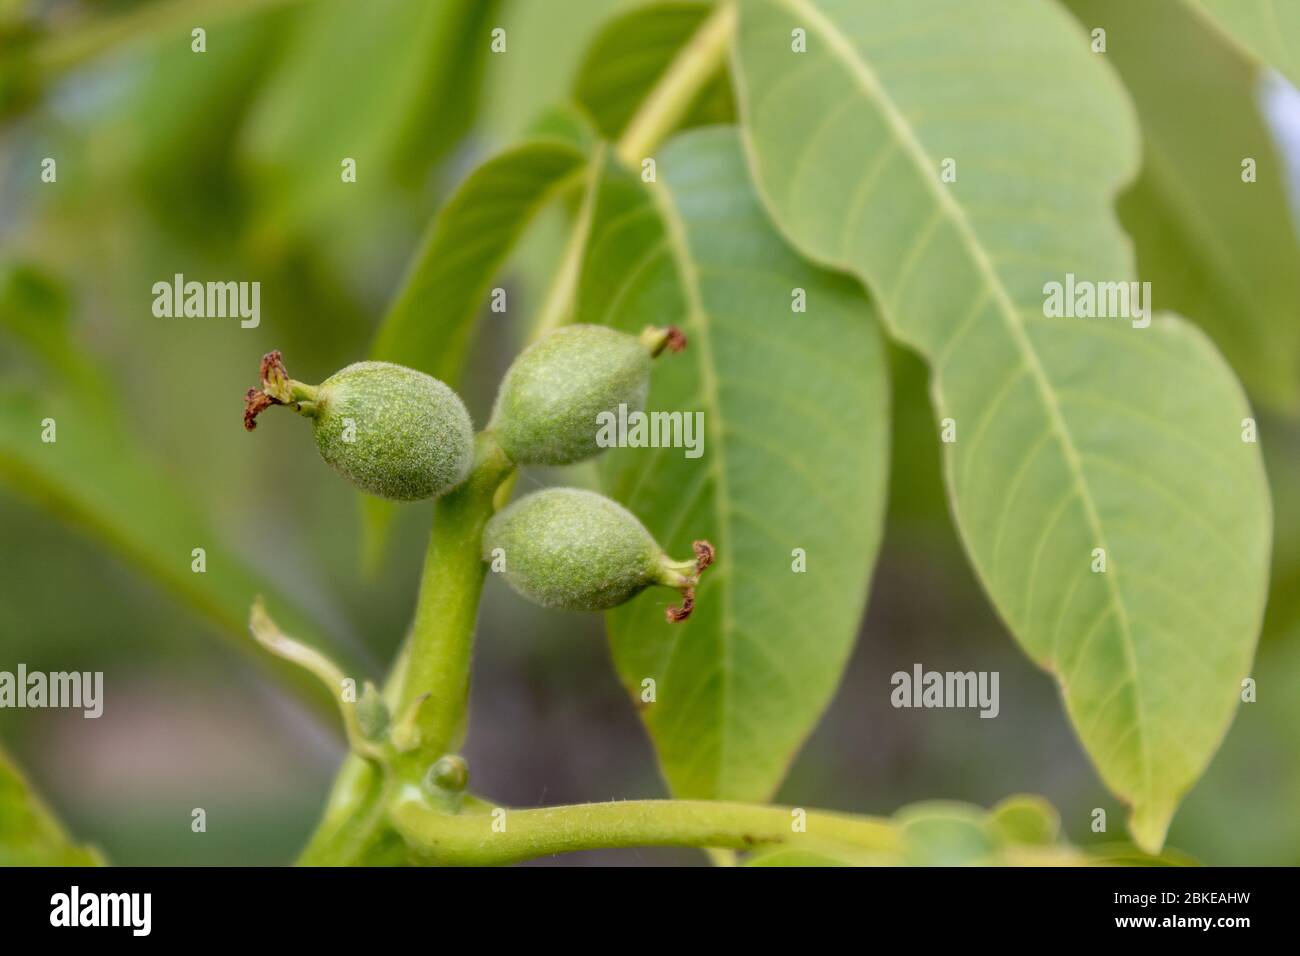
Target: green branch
(435, 683)
(513, 835)
(429, 685)
(354, 830)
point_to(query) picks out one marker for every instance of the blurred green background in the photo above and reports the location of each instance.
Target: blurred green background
(225, 166)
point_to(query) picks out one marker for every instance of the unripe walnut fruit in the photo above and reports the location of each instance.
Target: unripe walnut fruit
(411, 436)
(580, 551)
(546, 411)
(390, 430)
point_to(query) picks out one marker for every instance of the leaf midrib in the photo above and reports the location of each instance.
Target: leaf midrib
(698, 315)
(897, 124)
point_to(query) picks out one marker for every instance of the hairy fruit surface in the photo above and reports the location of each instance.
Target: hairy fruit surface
(580, 551)
(546, 411)
(390, 430)
(411, 436)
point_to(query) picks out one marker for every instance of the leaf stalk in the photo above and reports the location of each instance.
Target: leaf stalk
(508, 836)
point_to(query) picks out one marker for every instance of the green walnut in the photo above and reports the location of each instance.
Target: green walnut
(390, 430)
(546, 411)
(580, 551)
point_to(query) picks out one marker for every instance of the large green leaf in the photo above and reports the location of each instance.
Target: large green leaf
(1072, 434)
(631, 54)
(1268, 30)
(1223, 252)
(392, 86)
(796, 431)
(29, 833)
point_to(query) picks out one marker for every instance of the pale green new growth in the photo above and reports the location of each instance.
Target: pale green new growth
(359, 728)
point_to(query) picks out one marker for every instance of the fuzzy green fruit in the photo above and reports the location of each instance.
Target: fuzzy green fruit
(390, 430)
(546, 411)
(580, 551)
(411, 435)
